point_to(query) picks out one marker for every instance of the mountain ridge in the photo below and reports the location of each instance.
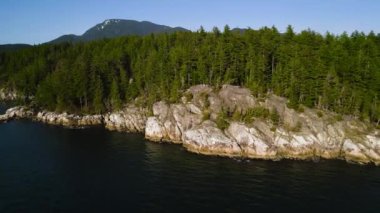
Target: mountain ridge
(111, 28)
(13, 47)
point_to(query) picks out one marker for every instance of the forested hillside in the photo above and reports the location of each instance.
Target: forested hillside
(13, 47)
(340, 73)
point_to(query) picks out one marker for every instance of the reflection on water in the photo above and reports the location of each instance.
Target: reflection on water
(46, 168)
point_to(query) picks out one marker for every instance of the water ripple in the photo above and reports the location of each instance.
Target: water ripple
(46, 168)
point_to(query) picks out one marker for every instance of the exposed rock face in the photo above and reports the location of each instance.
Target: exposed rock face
(130, 119)
(208, 139)
(154, 130)
(16, 112)
(69, 120)
(310, 134)
(236, 98)
(299, 135)
(251, 141)
(62, 119)
(8, 95)
(169, 122)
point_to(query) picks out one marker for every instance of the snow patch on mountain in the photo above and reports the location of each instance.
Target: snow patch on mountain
(107, 22)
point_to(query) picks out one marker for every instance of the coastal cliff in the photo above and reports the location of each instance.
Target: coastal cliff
(231, 122)
(263, 128)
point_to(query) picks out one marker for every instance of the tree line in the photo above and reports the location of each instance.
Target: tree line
(335, 72)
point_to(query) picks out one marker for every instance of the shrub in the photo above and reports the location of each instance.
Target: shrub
(338, 117)
(204, 98)
(258, 112)
(251, 113)
(206, 115)
(319, 114)
(237, 115)
(188, 96)
(300, 109)
(150, 111)
(221, 120)
(275, 117)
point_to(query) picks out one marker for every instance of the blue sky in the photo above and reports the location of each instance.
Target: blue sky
(37, 21)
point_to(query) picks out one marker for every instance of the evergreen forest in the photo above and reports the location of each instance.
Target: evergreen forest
(340, 73)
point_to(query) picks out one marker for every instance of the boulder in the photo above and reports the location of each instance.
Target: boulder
(154, 130)
(253, 143)
(208, 139)
(236, 98)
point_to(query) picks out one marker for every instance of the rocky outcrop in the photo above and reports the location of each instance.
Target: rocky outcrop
(311, 134)
(251, 141)
(15, 113)
(170, 121)
(130, 119)
(62, 119)
(8, 95)
(154, 131)
(208, 139)
(236, 98)
(69, 120)
(252, 130)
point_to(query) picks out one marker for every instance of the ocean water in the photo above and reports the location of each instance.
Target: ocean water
(53, 169)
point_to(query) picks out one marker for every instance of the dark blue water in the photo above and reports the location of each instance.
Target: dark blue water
(52, 169)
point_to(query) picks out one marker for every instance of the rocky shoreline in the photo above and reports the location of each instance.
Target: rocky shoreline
(195, 122)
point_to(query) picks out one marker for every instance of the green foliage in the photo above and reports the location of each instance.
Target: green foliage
(206, 115)
(115, 95)
(257, 112)
(248, 116)
(300, 109)
(320, 114)
(237, 115)
(222, 120)
(275, 117)
(333, 72)
(98, 96)
(338, 118)
(204, 99)
(175, 92)
(188, 96)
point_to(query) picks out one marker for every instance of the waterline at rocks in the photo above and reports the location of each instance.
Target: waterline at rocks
(231, 122)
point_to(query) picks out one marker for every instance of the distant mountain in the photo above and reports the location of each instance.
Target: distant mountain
(239, 30)
(13, 47)
(66, 38)
(112, 28)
